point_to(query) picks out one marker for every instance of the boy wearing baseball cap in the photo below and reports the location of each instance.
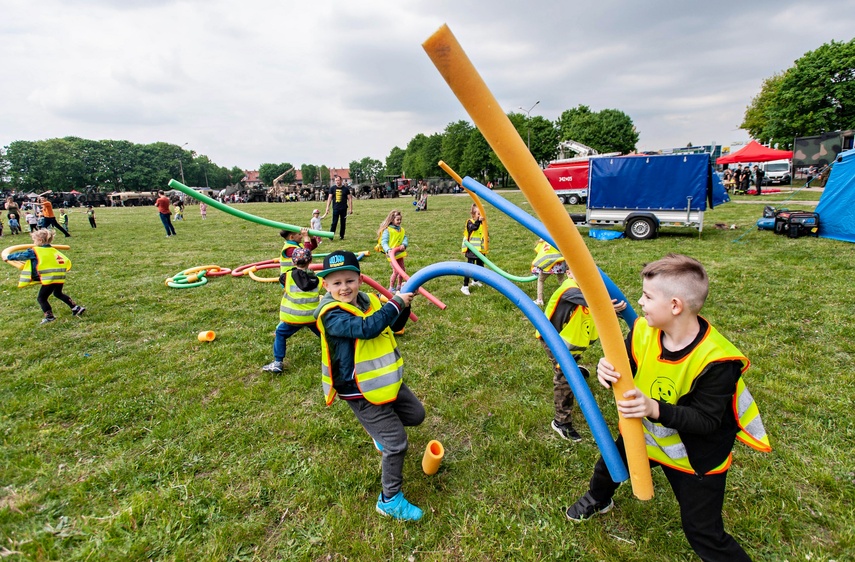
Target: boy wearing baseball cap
(297, 308)
(360, 363)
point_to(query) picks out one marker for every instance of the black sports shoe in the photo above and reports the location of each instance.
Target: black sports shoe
(587, 507)
(566, 431)
(78, 310)
(585, 372)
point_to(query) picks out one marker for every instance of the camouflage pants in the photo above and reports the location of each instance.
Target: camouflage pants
(562, 396)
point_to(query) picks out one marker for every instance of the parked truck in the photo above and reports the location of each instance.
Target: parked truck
(569, 176)
(644, 193)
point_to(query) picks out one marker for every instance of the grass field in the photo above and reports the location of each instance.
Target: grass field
(125, 438)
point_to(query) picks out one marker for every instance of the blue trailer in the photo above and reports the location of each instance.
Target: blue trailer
(645, 192)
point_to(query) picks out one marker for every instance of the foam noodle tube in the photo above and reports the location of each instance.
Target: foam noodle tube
(496, 268)
(243, 269)
(207, 336)
(241, 214)
(208, 268)
(475, 198)
(522, 301)
(260, 279)
(406, 277)
(432, 457)
(20, 247)
(384, 291)
(539, 229)
(463, 79)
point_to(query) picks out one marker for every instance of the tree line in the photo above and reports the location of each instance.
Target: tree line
(72, 163)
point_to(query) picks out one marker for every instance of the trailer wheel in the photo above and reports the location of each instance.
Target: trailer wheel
(574, 199)
(640, 229)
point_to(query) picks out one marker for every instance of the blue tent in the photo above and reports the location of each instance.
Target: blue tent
(836, 207)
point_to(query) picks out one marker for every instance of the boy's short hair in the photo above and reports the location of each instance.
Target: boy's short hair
(682, 277)
(340, 260)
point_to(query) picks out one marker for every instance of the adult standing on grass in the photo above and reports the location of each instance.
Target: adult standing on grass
(162, 203)
(341, 200)
(690, 394)
(758, 179)
(49, 216)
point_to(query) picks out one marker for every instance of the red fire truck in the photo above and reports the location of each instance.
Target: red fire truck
(569, 176)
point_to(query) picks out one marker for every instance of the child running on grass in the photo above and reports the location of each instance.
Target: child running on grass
(691, 397)
(45, 266)
(360, 362)
(568, 312)
(475, 234)
(391, 236)
(548, 261)
(297, 308)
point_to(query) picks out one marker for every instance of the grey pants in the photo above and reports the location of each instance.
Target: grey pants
(385, 423)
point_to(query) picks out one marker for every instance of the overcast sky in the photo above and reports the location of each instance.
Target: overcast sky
(328, 81)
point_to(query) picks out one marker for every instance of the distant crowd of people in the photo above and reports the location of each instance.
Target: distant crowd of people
(739, 179)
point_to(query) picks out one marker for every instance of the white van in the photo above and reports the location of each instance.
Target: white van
(778, 172)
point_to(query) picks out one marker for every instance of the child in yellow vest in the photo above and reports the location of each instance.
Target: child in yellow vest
(297, 308)
(547, 261)
(687, 378)
(45, 266)
(568, 312)
(391, 236)
(475, 232)
(360, 363)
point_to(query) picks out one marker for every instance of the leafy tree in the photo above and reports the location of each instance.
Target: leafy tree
(454, 140)
(609, 130)
(310, 174)
(814, 96)
(395, 161)
(269, 172)
(365, 170)
(236, 174)
(476, 157)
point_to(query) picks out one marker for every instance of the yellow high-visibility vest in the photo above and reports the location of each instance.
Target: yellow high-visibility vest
(378, 365)
(579, 332)
(477, 238)
(297, 306)
(546, 257)
(669, 380)
(396, 238)
(51, 267)
(285, 262)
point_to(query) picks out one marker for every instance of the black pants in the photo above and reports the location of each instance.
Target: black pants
(54, 289)
(92, 222)
(476, 261)
(700, 498)
(336, 215)
(51, 221)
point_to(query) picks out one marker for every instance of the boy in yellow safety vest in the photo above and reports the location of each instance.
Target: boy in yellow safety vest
(297, 308)
(360, 362)
(567, 310)
(690, 395)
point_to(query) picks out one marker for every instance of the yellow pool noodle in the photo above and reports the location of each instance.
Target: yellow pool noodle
(463, 79)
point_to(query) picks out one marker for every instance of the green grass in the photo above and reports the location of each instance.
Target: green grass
(124, 438)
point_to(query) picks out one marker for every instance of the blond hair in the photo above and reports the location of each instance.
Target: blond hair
(42, 237)
(387, 221)
(682, 277)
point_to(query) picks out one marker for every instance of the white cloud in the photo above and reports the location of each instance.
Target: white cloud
(330, 82)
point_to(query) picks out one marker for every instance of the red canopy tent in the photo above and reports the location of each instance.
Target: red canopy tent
(755, 152)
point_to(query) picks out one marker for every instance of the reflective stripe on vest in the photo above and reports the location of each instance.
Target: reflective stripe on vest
(51, 267)
(546, 257)
(476, 238)
(285, 262)
(378, 365)
(579, 331)
(670, 380)
(396, 238)
(297, 306)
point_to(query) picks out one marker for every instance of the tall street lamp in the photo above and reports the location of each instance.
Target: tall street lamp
(527, 119)
(181, 165)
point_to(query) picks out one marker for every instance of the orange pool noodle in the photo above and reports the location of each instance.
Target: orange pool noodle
(207, 336)
(463, 79)
(432, 457)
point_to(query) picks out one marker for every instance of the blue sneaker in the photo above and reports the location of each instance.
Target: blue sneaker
(398, 508)
(377, 445)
